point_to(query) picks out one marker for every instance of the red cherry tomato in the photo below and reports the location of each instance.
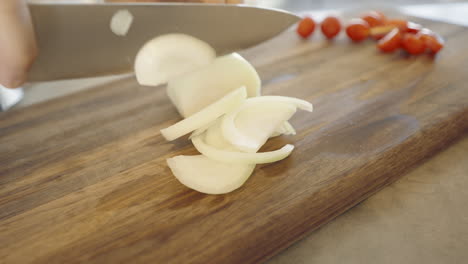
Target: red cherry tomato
(330, 26)
(357, 30)
(380, 31)
(400, 23)
(413, 28)
(374, 18)
(413, 44)
(306, 27)
(433, 41)
(390, 42)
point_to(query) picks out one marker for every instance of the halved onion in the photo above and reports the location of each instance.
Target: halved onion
(240, 157)
(193, 91)
(250, 126)
(207, 115)
(208, 176)
(168, 56)
(121, 22)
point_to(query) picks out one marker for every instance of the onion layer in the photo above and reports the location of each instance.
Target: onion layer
(241, 157)
(168, 56)
(208, 176)
(206, 115)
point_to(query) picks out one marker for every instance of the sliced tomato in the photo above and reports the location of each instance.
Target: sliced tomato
(391, 41)
(433, 41)
(374, 18)
(413, 28)
(380, 31)
(413, 44)
(402, 24)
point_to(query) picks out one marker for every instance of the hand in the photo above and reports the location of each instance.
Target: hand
(17, 42)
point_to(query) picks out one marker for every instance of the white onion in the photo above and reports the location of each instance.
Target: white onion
(240, 157)
(250, 126)
(206, 115)
(299, 103)
(211, 93)
(214, 137)
(165, 57)
(208, 176)
(193, 91)
(285, 129)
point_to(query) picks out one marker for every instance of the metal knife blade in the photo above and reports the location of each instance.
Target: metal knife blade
(75, 40)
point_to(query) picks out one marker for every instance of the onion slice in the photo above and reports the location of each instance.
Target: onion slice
(168, 56)
(285, 129)
(299, 103)
(206, 115)
(193, 91)
(248, 131)
(240, 157)
(214, 137)
(250, 126)
(208, 176)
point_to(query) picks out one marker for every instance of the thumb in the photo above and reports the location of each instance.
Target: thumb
(17, 43)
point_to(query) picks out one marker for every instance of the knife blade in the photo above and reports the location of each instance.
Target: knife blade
(75, 40)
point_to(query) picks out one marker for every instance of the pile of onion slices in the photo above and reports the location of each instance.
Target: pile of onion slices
(224, 113)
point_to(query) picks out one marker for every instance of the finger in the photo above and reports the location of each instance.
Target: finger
(17, 42)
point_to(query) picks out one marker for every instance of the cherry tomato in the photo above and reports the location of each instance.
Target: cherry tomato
(413, 44)
(433, 41)
(401, 23)
(374, 18)
(390, 42)
(330, 26)
(306, 27)
(357, 30)
(380, 31)
(413, 28)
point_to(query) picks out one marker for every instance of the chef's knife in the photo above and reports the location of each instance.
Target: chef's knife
(75, 40)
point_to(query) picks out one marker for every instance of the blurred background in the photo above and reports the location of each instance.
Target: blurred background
(296, 5)
(452, 11)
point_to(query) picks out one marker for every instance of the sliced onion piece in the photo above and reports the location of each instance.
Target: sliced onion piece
(193, 91)
(250, 126)
(121, 22)
(285, 129)
(214, 137)
(168, 56)
(299, 103)
(202, 129)
(240, 157)
(206, 115)
(208, 176)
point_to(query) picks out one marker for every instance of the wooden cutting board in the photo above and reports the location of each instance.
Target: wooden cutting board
(84, 178)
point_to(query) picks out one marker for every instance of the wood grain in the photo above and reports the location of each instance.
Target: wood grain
(84, 179)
